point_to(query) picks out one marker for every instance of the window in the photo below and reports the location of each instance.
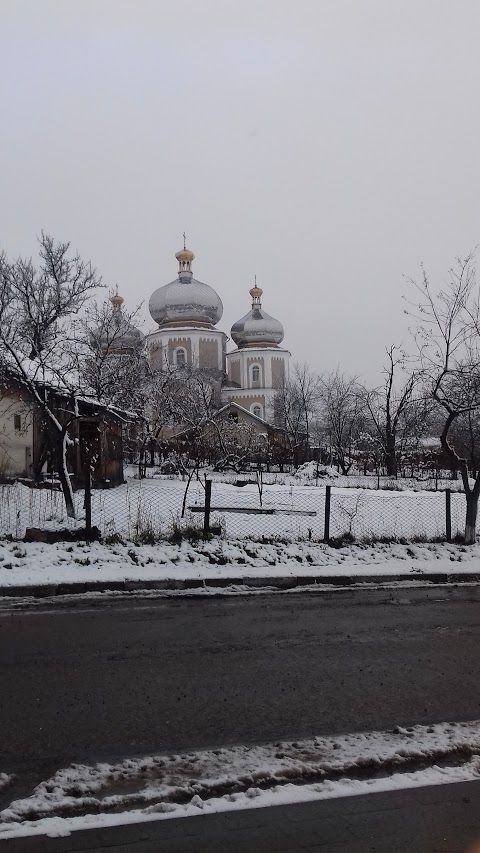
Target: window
(255, 375)
(257, 410)
(17, 423)
(180, 357)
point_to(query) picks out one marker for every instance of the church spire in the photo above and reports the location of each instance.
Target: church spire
(256, 294)
(185, 258)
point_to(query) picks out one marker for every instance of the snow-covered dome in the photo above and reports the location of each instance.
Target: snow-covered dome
(185, 301)
(257, 328)
(119, 335)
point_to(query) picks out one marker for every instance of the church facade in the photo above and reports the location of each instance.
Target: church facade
(187, 313)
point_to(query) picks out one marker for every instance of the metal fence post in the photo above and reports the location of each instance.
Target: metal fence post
(208, 503)
(88, 499)
(448, 514)
(326, 527)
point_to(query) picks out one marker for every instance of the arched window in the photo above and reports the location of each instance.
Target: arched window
(180, 357)
(255, 375)
(257, 411)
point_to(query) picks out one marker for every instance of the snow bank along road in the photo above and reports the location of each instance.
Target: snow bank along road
(207, 782)
(110, 679)
(40, 568)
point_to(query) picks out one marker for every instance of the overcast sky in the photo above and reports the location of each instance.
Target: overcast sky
(327, 146)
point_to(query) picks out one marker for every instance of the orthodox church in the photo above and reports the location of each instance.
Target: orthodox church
(187, 313)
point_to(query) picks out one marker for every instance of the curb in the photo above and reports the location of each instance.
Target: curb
(50, 590)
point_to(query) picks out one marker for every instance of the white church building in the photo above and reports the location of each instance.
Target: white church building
(187, 313)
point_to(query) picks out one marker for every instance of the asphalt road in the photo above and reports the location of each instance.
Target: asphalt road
(82, 681)
(436, 819)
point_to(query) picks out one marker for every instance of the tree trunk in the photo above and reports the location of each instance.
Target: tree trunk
(142, 472)
(184, 502)
(471, 518)
(391, 458)
(63, 476)
(39, 462)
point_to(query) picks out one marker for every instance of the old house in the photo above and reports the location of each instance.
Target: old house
(95, 431)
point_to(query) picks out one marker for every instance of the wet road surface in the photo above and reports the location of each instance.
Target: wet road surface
(83, 680)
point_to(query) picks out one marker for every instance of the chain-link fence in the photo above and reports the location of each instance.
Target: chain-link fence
(155, 508)
(329, 513)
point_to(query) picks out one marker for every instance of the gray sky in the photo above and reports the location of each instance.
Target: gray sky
(329, 146)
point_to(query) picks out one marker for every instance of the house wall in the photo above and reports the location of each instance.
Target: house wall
(245, 417)
(112, 452)
(100, 443)
(16, 444)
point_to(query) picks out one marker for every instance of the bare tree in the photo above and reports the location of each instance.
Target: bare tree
(114, 363)
(448, 341)
(343, 415)
(208, 431)
(168, 403)
(38, 342)
(465, 436)
(296, 406)
(395, 415)
(159, 405)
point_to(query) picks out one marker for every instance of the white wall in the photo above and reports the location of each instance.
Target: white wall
(16, 445)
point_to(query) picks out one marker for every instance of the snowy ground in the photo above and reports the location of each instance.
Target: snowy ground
(151, 508)
(242, 777)
(36, 563)
(307, 474)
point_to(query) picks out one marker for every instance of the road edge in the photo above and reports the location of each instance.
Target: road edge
(247, 582)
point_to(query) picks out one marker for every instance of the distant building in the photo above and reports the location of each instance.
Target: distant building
(258, 367)
(187, 312)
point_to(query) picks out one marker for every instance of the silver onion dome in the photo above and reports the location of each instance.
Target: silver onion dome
(185, 301)
(257, 328)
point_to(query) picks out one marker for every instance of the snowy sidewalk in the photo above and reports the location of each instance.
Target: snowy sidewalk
(422, 820)
(42, 569)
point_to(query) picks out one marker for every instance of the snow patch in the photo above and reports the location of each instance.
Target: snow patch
(244, 777)
(37, 563)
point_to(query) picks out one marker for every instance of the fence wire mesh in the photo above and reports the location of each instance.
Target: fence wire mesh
(298, 512)
(161, 507)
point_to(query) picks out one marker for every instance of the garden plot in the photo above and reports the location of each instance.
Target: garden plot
(135, 508)
(394, 515)
(151, 508)
(363, 514)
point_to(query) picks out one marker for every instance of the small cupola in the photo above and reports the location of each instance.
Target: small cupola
(257, 328)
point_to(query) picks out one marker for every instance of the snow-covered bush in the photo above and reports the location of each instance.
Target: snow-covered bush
(314, 471)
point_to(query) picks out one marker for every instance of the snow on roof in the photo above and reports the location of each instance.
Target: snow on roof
(32, 371)
(260, 420)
